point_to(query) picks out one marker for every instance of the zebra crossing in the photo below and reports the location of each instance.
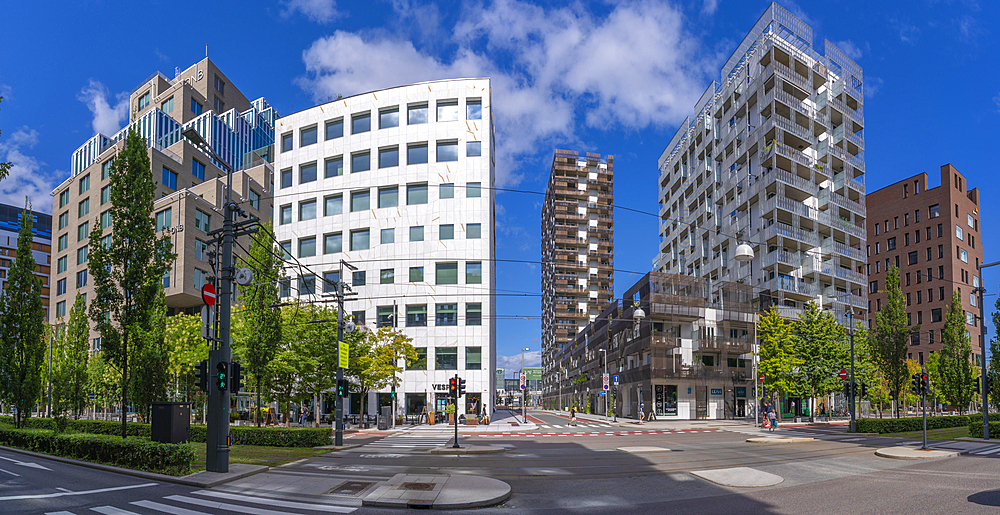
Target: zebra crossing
(211, 502)
(408, 441)
(567, 426)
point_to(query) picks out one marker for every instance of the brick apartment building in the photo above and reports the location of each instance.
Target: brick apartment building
(933, 236)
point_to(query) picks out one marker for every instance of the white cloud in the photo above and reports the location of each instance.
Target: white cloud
(319, 11)
(872, 85)
(709, 7)
(551, 70)
(108, 119)
(26, 178)
(531, 359)
(848, 47)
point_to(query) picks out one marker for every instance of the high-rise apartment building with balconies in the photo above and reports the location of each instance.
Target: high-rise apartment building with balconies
(773, 157)
(577, 249)
(41, 246)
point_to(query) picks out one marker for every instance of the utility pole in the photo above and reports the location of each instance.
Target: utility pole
(341, 285)
(850, 320)
(982, 346)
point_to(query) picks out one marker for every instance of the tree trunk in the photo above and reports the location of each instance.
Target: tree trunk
(256, 413)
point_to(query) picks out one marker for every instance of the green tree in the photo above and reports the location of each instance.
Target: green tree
(389, 346)
(70, 384)
(778, 359)
(822, 350)
(21, 326)
(311, 332)
(103, 382)
(259, 318)
(956, 357)
(993, 369)
(866, 371)
(933, 365)
(152, 357)
(4, 167)
(890, 337)
(127, 271)
(185, 349)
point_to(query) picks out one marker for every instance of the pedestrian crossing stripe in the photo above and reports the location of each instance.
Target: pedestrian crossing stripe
(989, 450)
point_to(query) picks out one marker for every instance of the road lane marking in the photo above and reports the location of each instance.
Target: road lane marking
(166, 508)
(59, 513)
(85, 492)
(216, 505)
(276, 502)
(989, 450)
(11, 473)
(111, 510)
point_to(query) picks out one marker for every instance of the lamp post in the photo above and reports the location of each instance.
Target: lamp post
(744, 254)
(982, 345)
(607, 392)
(637, 315)
(524, 408)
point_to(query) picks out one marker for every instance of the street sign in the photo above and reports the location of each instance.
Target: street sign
(842, 374)
(208, 293)
(762, 378)
(616, 379)
(524, 378)
(343, 351)
(606, 379)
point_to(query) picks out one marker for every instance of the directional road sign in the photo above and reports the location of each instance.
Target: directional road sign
(616, 379)
(208, 294)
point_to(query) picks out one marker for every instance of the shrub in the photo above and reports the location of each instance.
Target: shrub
(976, 428)
(902, 425)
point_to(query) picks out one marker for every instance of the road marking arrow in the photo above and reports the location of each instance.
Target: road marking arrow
(25, 464)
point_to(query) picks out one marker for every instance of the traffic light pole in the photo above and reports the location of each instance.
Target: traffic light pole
(338, 438)
(455, 399)
(924, 396)
(850, 319)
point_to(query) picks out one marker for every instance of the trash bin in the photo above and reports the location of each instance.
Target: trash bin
(383, 419)
(170, 422)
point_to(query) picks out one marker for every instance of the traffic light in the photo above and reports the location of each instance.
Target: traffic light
(201, 375)
(461, 387)
(864, 389)
(978, 385)
(915, 384)
(847, 389)
(222, 375)
(925, 386)
(342, 388)
(453, 387)
(238, 377)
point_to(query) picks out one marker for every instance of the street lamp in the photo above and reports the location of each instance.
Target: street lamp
(637, 315)
(744, 254)
(982, 345)
(524, 408)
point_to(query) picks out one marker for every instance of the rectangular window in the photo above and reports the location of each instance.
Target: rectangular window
(917, 216)
(254, 199)
(384, 316)
(81, 255)
(473, 273)
(64, 220)
(940, 251)
(936, 315)
(473, 109)
(388, 117)
(64, 198)
(906, 240)
(169, 178)
(200, 250)
(335, 128)
(61, 264)
(388, 157)
(307, 285)
(446, 191)
(447, 273)
(360, 200)
(106, 219)
(473, 358)
(447, 110)
(196, 109)
(334, 167)
(416, 315)
(912, 258)
(416, 274)
(61, 309)
(935, 211)
(419, 363)
(285, 214)
(388, 196)
(895, 222)
(416, 114)
(417, 233)
(358, 278)
(873, 287)
(201, 220)
(307, 210)
(906, 219)
(361, 162)
(83, 209)
(971, 221)
(446, 232)
(972, 299)
(285, 288)
(333, 205)
(446, 314)
(61, 287)
(358, 317)
(361, 122)
(473, 190)
(958, 232)
(163, 219)
(473, 148)
(220, 86)
(416, 154)
(970, 318)
(168, 105)
(473, 231)
(387, 236)
(307, 247)
(220, 106)
(386, 276)
(446, 358)
(286, 250)
(307, 173)
(105, 169)
(81, 278)
(199, 278)
(330, 280)
(447, 151)
(359, 239)
(963, 255)
(416, 194)
(85, 184)
(891, 243)
(197, 169)
(308, 136)
(333, 243)
(474, 313)
(63, 242)
(144, 101)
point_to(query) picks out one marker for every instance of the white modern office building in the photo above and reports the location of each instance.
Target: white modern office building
(399, 183)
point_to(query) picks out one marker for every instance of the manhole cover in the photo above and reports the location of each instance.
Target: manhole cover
(423, 487)
(350, 487)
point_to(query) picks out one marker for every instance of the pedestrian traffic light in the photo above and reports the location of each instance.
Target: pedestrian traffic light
(453, 386)
(222, 375)
(461, 387)
(237, 377)
(342, 388)
(915, 384)
(201, 375)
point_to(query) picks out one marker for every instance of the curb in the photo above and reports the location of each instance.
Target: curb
(977, 440)
(779, 439)
(891, 453)
(336, 448)
(469, 449)
(188, 480)
(451, 495)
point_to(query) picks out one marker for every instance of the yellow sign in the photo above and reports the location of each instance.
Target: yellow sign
(343, 350)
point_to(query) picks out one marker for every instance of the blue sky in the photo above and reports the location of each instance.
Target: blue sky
(614, 78)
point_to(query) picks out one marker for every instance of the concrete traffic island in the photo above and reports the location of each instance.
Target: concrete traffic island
(779, 439)
(441, 492)
(739, 477)
(468, 449)
(915, 453)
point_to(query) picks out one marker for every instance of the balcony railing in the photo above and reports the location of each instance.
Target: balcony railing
(792, 127)
(790, 178)
(792, 285)
(787, 231)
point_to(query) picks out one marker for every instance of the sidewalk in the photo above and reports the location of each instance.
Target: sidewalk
(502, 421)
(680, 424)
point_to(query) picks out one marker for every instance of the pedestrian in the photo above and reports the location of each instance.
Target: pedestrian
(305, 413)
(773, 418)
(486, 416)
(642, 411)
(572, 416)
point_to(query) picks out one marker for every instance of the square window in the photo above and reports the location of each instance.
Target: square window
(936, 315)
(387, 276)
(335, 128)
(473, 273)
(446, 232)
(416, 274)
(447, 273)
(417, 233)
(169, 178)
(358, 317)
(197, 169)
(387, 236)
(473, 190)
(416, 194)
(388, 157)
(473, 109)
(307, 247)
(473, 148)
(447, 151)
(286, 142)
(447, 110)
(201, 220)
(416, 114)
(361, 122)
(333, 243)
(286, 178)
(446, 358)
(473, 358)
(360, 200)
(330, 280)
(935, 211)
(308, 136)
(361, 162)
(388, 196)
(334, 167)
(474, 313)
(388, 118)
(307, 210)
(473, 231)
(446, 191)
(416, 315)
(196, 109)
(307, 285)
(358, 278)
(385, 315)
(83, 208)
(416, 154)
(333, 205)
(359, 239)
(307, 173)
(418, 363)
(285, 214)
(446, 314)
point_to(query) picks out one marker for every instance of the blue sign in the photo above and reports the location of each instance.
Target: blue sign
(616, 379)
(600, 394)
(716, 391)
(741, 391)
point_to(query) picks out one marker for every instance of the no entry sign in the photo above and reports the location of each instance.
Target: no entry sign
(843, 374)
(208, 294)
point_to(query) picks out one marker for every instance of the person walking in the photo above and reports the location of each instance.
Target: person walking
(572, 416)
(304, 414)
(772, 417)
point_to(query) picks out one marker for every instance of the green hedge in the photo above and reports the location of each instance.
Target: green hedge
(976, 428)
(902, 425)
(133, 452)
